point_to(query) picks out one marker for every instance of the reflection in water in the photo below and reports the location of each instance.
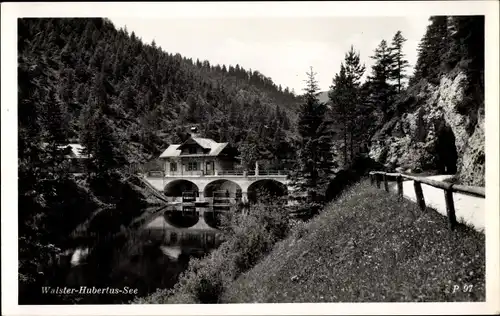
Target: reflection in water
(190, 232)
(151, 253)
(184, 219)
(179, 216)
(212, 218)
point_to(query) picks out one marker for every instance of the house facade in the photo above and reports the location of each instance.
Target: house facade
(209, 171)
(198, 156)
(75, 153)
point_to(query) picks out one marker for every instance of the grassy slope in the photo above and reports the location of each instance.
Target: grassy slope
(368, 246)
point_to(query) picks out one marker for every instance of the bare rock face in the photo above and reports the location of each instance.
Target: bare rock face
(472, 164)
(434, 135)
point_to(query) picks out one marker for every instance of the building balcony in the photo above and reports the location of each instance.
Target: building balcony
(217, 173)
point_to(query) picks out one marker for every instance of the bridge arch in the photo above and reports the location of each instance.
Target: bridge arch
(176, 187)
(222, 185)
(180, 219)
(266, 186)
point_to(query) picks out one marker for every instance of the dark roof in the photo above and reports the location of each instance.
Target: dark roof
(215, 148)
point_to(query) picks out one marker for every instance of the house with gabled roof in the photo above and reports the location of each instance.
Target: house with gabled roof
(75, 154)
(74, 151)
(198, 156)
(202, 170)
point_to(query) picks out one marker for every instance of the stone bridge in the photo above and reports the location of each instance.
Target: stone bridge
(247, 184)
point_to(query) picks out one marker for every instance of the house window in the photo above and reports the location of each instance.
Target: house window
(192, 166)
(192, 150)
(173, 166)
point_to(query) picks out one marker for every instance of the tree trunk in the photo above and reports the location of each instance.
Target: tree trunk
(399, 75)
(345, 143)
(351, 145)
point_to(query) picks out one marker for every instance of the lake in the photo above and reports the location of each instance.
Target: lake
(150, 253)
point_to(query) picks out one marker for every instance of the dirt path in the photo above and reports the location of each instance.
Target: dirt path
(468, 209)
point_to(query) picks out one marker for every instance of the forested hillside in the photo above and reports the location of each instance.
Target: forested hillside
(84, 81)
(145, 96)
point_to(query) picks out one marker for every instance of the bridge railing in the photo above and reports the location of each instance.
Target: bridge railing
(201, 173)
(155, 174)
(272, 173)
(448, 188)
(230, 172)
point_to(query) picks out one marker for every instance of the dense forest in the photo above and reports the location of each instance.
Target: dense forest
(143, 93)
(84, 81)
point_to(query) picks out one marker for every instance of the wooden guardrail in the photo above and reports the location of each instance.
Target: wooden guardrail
(448, 189)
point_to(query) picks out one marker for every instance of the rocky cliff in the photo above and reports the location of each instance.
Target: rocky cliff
(441, 130)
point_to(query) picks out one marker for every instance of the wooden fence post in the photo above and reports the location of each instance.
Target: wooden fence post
(371, 179)
(399, 180)
(386, 183)
(377, 178)
(419, 194)
(450, 208)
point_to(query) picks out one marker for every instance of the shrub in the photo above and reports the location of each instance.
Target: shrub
(203, 281)
(300, 229)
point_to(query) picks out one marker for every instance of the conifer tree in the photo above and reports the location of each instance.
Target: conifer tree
(381, 88)
(432, 50)
(338, 94)
(56, 133)
(354, 72)
(346, 100)
(314, 149)
(398, 58)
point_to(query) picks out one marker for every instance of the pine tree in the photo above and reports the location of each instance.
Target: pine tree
(248, 153)
(399, 62)
(56, 120)
(36, 172)
(382, 90)
(346, 100)
(56, 123)
(101, 143)
(354, 72)
(432, 50)
(466, 42)
(29, 125)
(339, 96)
(314, 150)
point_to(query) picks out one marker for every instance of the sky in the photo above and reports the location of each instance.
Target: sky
(283, 48)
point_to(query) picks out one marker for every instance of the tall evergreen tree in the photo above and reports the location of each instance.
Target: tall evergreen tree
(354, 72)
(315, 164)
(398, 58)
(382, 90)
(346, 100)
(432, 50)
(339, 96)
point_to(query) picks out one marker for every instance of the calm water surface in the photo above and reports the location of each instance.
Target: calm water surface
(153, 254)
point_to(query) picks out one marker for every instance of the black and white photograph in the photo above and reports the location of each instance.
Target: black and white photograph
(228, 160)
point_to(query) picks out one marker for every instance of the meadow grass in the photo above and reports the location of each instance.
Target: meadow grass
(368, 246)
